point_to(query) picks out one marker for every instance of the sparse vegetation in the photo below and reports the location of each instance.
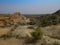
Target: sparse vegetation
(36, 35)
(31, 23)
(10, 35)
(17, 37)
(30, 27)
(56, 43)
(45, 20)
(6, 36)
(30, 33)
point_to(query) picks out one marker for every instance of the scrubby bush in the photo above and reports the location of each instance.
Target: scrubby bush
(56, 43)
(31, 27)
(31, 23)
(21, 23)
(6, 36)
(36, 35)
(17, 37)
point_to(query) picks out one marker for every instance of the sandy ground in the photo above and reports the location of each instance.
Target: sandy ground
(22, 30)
(4, 31)
(11, 41)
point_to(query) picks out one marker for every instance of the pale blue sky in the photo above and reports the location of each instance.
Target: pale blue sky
(29, 6)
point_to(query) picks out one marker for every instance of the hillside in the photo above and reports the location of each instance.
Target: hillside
(45, 19)
(57, 12)
(7, 20)
(29, 30)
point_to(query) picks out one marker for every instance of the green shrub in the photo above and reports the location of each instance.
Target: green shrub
(37, 34)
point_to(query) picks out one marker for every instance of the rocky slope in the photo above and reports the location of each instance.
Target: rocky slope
(11, 19)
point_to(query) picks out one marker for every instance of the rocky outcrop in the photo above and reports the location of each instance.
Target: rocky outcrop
(7, 21)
